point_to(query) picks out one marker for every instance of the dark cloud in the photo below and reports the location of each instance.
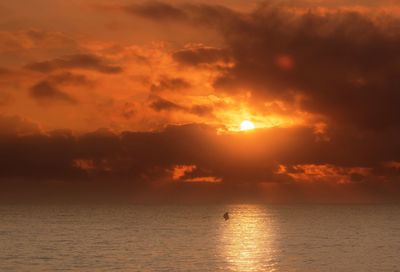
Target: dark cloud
(344, 65)
(128, 110)
(78, 61)
(240, 161)
(202, 110)
(160, 10)
(187, 13)
(68, 78)
(45, 91)
(170, 84)
(48, 90)
(17, 126)
(4, 72)
(16, 43)
(200, 55)
(307, 4)
(160, 104)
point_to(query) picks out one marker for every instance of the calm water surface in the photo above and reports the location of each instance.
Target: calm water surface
(196, 238)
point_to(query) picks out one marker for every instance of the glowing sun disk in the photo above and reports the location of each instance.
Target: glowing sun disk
(246, 125)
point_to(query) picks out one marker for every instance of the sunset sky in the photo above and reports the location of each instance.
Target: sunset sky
(145, 100)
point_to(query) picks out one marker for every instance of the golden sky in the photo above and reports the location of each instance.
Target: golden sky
(152, 95)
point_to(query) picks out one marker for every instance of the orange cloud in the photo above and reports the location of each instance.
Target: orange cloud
(325, 173)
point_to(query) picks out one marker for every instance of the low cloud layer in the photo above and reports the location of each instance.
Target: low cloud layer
(196, 156)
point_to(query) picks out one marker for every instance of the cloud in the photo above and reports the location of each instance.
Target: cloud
(334, 68)
(6, 98)
(45, 91)
(24, 40)
(160, 104)
(343, 64)
(170, 84)
(48, 89)
(354, 5)
(191, 173)
(202, 110)
(162, 11)
(4, 72)
(340, 64)
(193, 14)
(200, 55)
(68, 78)
(78, 61)
(16, 126)
(238, 163)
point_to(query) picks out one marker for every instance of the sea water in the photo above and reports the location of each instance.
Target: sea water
(197, 238)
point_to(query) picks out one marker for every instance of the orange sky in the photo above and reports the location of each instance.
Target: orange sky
(171, 82)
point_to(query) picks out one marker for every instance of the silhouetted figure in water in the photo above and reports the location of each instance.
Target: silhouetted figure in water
(226, 216)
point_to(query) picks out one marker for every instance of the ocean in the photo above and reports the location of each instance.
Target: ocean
(197, 238)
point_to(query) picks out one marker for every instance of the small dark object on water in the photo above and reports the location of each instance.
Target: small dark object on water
(226, 216)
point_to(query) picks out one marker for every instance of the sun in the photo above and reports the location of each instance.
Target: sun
(246, 125)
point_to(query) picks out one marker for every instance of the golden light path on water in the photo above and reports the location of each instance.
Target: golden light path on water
(247, 239)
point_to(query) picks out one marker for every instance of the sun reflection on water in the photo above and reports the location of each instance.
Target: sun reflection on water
(247, 239)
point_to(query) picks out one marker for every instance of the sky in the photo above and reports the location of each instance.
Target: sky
(143, 101)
